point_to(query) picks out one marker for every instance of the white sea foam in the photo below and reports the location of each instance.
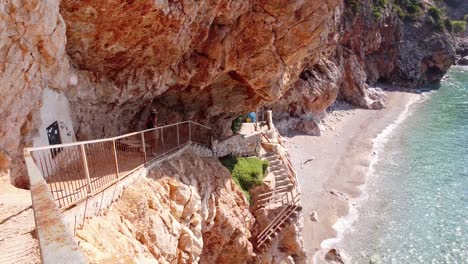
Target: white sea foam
(345, 224)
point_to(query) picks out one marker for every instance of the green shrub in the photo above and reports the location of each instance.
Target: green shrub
(236, 124)
(354, 5)
(465, 17)
(448, 25)
(246, 172)
(378, 8)
(435, 13)
(397, 9)
(459, 26)
(408, 9)
(412, 9)
(439, 26)
(377, 14)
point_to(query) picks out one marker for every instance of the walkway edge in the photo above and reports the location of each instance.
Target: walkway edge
(55, 242)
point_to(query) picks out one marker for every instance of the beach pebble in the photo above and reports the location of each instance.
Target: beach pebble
(339, 194)
(313, 216)
(334, 256)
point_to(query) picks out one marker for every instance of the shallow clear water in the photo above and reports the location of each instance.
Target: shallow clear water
(417, 208)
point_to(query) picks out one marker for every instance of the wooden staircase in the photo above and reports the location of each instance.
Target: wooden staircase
(284, 198)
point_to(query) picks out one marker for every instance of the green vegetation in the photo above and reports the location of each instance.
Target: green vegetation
(378, 8)
(354, 5)
(246, 172)
(448, 24)
(465, 17)
(408, 9)
(444, 23)
(439, 26)
(459, 26)
(401, 14)
(435, 13)
(236, 124)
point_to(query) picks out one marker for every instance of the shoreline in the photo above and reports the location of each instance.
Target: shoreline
(339, 164)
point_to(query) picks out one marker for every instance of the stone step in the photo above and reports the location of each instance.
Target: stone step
(284, 184)
(276, 167)
(275, 162)
(281, 177)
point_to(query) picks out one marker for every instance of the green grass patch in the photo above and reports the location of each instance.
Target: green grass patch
(246, 172)
(459, 26)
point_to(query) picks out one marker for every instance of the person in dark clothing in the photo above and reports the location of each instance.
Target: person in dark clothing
(153, 140)
(152, 120)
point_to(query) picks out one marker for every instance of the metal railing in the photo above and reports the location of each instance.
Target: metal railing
(287, 198)
(77, 170)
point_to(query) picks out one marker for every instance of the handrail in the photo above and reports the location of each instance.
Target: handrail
(273, 197)
(75, 171)
(272, 223)
(111, 138)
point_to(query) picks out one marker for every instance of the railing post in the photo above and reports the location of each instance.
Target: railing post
(143, 145)
(178, 140)
(86, 169)
(115, 159)
(190, 131)
(162, 139)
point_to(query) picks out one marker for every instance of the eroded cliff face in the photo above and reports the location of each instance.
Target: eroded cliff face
(207, 60)
(32, 57)
(204, 60)
(365, 49)
(187, 211)
(199, 59)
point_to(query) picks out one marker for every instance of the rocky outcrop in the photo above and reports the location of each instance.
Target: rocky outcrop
(199, 60)
(208, 61)
(462, 50)
(203, 60)
(32, 57)
(365, 49)
(187, 211)
(335, 256)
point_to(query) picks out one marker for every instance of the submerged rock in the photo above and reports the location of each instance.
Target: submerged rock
(463, 61)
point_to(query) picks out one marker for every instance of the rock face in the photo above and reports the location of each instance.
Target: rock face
(187, 211)
(365, 49)
(334, 256)
(204, 60)
(32, 56)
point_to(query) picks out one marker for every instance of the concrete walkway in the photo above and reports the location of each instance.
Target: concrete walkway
(18, 244)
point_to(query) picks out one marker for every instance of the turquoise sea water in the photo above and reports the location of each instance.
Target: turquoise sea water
(417, 205)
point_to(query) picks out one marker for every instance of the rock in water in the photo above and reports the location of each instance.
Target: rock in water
(335, 256)
(463, 61)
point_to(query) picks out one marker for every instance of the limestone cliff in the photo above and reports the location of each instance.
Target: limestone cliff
(114, 60)
(189, 210)
(203, 60)
(369, 43)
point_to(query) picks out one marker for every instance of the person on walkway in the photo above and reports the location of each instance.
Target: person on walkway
(154, 141)
(152, 121)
